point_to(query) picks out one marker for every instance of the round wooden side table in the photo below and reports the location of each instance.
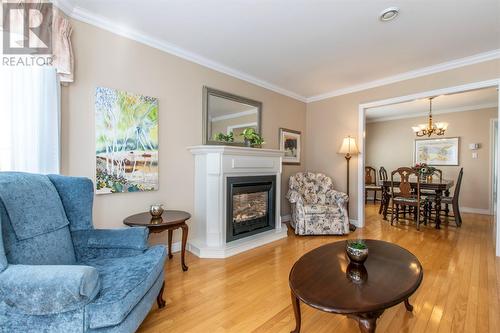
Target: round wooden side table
(324, 279)
(169, 220)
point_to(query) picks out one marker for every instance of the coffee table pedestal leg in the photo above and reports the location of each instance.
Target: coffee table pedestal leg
(367, 321)
(296, 311)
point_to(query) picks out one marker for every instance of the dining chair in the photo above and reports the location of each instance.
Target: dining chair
(382, 176)
(453, 200)
(405, 197)
(371, 183)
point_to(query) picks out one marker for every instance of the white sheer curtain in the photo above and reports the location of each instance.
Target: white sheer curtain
(29, 119)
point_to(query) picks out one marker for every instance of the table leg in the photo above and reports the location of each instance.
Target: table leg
(170, 234)
(446, 207)
(408, 306)
(368, 325)
(159, 299)
(183, 249)
(439, 193)
(367, 321)
(386, 201)
(296, 312)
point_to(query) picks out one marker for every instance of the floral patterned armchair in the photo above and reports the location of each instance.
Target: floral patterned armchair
(317, 209)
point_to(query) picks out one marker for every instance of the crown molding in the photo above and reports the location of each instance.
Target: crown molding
(434, 112)
(445, 66)
(81, 14)
(65, 5)
(86, 16)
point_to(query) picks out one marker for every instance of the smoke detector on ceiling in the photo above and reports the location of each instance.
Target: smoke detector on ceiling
(389, 14)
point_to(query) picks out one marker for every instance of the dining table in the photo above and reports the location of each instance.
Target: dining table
(438, 187)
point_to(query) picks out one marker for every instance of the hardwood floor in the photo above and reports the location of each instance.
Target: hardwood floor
(249, 292)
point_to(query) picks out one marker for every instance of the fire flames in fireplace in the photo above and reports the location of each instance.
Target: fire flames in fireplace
(249, 206)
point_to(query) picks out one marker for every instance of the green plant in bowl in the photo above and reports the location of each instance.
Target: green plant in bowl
(358, 244)
(252, 138)
(356, 250)
(228, 138)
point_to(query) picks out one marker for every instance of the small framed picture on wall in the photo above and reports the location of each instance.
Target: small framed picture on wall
(291, 145)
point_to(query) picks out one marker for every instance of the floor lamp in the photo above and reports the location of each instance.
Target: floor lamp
(348, 148)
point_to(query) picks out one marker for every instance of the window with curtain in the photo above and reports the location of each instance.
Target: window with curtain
(29, 119)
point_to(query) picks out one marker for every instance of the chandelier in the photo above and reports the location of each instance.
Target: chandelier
(430, 128)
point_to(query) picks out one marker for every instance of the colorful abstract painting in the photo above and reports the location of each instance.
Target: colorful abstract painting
(437, 151)
(126, 141)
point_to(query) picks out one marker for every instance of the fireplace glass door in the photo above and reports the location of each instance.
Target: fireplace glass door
(250, 204)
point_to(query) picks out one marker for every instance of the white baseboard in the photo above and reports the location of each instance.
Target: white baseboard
(481, 211)
(286, 218)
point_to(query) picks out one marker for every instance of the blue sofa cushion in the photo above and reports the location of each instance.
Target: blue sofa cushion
(46, 289)
(34, 224)
(77, 196)
(124, 282)
(32, 203)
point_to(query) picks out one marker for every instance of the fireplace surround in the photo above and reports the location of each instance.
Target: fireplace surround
(237, 200)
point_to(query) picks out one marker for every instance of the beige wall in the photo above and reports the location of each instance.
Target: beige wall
(391, 144)
(105, 59)
(329, 120)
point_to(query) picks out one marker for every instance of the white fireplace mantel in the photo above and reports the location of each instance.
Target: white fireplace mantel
(213, 164)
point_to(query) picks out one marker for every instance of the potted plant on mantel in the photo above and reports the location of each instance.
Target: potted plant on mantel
(227, 138)
(252, 138)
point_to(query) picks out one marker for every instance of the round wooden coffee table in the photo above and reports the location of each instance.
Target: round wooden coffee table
(170, 220)
(324, 279)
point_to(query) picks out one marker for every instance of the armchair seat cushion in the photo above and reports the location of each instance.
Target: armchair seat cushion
(124, 281)
(320, 209)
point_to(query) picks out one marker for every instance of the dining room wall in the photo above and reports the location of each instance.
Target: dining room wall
(330, 120)
(391, 144)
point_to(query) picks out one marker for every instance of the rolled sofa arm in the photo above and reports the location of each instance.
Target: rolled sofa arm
(294, 197)
(110, 243)
(123, 238)
(336, 197)
(48, 289)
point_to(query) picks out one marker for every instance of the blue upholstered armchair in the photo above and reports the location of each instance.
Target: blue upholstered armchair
(58, 273)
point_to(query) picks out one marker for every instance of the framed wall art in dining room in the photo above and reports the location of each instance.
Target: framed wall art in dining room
(437, 151)
(291, 145)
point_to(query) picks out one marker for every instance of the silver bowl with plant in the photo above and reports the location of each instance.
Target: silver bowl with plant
(356, 250)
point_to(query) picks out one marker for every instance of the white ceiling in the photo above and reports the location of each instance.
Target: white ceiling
(305, 48)
(466, 101)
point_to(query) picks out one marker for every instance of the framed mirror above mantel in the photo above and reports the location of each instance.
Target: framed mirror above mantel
(225, 113)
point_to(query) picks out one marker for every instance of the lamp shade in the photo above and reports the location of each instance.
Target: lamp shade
(348, 146)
